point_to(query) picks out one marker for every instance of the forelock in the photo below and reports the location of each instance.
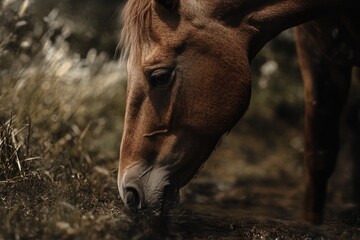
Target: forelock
(135, 34)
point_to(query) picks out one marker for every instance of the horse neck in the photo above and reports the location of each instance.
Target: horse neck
(269, 18)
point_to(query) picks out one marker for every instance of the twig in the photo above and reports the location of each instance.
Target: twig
(16, 151)
(33, 158)
(28, 138)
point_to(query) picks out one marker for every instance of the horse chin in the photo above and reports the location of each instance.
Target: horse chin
(166, 204)
(170, 200)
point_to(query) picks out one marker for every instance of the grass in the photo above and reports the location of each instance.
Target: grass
(12, 149)
(60, 130)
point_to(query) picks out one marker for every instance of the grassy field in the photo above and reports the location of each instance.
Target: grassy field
(61, 117)
(60, 129)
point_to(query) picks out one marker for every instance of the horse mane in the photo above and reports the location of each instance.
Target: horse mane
(134, 34)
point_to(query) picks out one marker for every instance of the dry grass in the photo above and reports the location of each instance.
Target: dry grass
(69, 100)
(13, 150)
(60, 129)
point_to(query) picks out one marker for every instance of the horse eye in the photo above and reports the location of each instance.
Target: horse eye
(160, 76)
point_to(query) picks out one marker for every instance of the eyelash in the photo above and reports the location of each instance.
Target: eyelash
(160, 76)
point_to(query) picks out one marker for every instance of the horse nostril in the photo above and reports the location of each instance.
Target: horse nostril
(133, 200)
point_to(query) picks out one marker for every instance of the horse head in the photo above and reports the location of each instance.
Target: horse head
(186, 87)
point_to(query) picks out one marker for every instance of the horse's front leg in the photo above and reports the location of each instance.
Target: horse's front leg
(326, 85)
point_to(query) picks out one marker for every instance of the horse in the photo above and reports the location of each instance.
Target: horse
(189, 83)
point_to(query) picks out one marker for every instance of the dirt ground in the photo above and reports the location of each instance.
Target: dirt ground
(34, 210)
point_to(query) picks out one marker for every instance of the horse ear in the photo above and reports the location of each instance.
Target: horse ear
(169, 4)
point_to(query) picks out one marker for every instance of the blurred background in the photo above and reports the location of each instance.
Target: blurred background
(62, 98)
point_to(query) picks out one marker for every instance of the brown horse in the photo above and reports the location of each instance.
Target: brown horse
(188, 65)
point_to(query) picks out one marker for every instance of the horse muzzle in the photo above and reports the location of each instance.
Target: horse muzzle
(151, 192)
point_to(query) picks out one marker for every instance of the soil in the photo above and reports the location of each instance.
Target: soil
(36, 209)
